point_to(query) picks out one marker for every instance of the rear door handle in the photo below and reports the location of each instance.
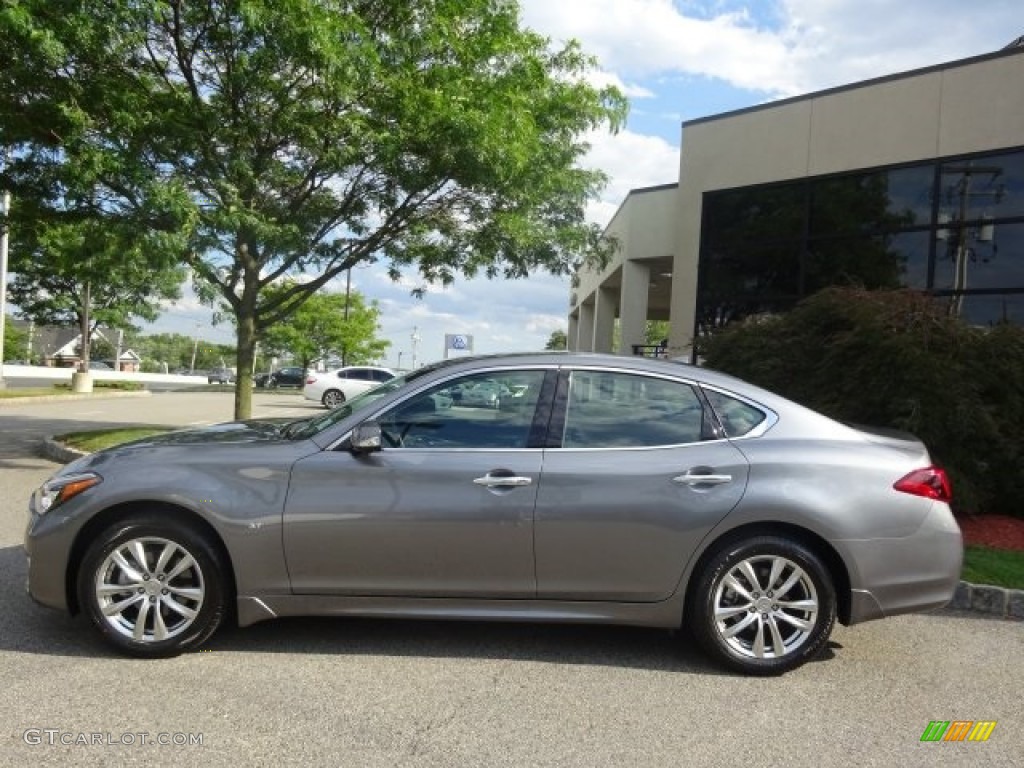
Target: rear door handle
(697, 479)
(502, 481)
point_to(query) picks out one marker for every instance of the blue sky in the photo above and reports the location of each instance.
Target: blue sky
(677, 60)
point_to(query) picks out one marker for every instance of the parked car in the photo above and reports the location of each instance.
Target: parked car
(283, 377)
(335, 387)
(220, 376)
(613, 490)
(485, 394)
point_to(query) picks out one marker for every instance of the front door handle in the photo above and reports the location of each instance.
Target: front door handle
(698, 479)
(502, 481)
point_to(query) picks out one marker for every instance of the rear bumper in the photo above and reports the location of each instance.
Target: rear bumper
(911, 574)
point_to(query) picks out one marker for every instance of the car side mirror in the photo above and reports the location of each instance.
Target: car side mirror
(366, 438)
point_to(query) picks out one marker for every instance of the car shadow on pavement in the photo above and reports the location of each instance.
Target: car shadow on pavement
(26, 627)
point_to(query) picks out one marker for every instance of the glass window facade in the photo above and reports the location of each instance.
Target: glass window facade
(953, 227)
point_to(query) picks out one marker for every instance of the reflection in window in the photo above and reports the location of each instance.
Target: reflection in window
(737, 417)
(981, 188)
(992, 309)
(758, 215)
(492, 410)
(877, 201)
(949, 226)
(990, 256)
(619, 410)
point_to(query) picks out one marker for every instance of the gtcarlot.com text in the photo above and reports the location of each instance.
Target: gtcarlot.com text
(56, 737)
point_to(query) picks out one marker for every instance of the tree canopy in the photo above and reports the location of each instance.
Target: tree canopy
(329, 324)
(74, 271)
(283, 138)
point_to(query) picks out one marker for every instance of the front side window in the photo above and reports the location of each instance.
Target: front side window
(487, 410)
(621, 410)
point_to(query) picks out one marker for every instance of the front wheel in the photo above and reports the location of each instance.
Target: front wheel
(152, 587)
(333, 398)
(764, 605)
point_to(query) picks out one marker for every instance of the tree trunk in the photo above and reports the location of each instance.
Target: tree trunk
(83, 326)
(244, 358)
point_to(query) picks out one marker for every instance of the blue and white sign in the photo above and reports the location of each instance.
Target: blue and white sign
(458, 342)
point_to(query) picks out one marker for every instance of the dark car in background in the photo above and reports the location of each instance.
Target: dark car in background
(220, 376)
(283, 377)
(287, 377)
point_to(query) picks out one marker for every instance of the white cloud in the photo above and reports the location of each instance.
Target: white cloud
(783, 48)
(631, 160)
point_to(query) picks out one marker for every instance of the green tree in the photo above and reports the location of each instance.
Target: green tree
(328, 324)
(557, 340)
(15, 341)
(304, 137)
(70, 271)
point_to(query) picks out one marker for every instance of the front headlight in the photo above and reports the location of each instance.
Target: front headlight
(57, 490)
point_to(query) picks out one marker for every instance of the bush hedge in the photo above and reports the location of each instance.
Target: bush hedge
(898, 359)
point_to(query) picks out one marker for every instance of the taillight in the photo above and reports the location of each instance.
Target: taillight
(930, 482)
(311, 380)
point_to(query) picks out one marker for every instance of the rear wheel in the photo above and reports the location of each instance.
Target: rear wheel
(333, 398)
(152, 587)
(764, 605)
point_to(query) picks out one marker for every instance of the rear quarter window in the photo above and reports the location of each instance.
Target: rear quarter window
(737, 417)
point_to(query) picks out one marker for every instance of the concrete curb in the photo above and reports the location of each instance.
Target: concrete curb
(10, 402)
(984, 598)
(55, 451)
(976, 598)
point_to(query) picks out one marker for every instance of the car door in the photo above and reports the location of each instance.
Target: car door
(444, 509)
(634, 481)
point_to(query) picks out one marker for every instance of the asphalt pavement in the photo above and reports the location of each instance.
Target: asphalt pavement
(344, 692)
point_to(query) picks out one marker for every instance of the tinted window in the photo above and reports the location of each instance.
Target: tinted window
(381, 376)
(438, 418)
(737, 417)
(620, 410)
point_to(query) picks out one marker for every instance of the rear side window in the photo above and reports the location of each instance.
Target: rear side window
(737, 417)
(621, 410)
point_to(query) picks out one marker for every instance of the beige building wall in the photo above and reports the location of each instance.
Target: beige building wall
(623, 288)
(975, 105)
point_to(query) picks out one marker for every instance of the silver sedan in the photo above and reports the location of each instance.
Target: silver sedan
(613, 490)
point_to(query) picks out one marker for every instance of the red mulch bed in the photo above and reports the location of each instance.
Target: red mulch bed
(996, 531)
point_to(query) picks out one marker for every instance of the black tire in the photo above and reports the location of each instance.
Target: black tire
(182, 586)
(333, 398)
(762, 631)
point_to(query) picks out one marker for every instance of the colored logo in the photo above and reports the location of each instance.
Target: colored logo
(958, 730)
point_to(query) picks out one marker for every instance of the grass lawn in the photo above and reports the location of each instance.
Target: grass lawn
(27, 392)
(98, 439)
(999, 567)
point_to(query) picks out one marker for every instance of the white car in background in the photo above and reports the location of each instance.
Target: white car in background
(332, 388)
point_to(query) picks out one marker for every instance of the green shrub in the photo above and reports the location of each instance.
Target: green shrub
(896, 359)
(118, 384)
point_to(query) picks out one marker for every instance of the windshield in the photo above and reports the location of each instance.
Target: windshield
(303, 430)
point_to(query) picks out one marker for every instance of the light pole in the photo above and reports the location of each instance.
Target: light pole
(399, 359)
(415, 340)
(195, 348)
(3, 277)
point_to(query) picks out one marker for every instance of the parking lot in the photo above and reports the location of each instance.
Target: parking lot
(367, 693)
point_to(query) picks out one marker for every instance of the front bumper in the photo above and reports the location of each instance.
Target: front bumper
(48, 542)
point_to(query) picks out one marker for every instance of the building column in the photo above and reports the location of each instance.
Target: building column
(636, 279)
(571, 340)
(585, 327)
(604, 318)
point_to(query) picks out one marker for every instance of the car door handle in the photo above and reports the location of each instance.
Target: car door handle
(697, 479)
(502, 481)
